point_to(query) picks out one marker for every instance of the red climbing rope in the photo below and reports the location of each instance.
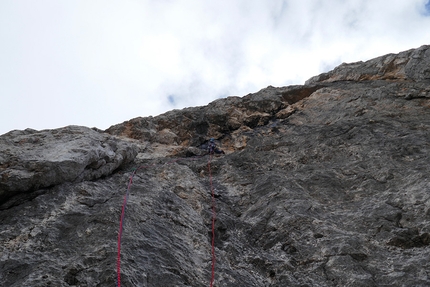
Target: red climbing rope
(121, 223)
(213, 221)
(124, 204)
(118, 259)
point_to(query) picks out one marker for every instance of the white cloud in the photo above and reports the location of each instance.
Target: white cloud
(98, 63)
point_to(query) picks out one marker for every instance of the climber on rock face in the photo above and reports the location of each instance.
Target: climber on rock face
(213, 149)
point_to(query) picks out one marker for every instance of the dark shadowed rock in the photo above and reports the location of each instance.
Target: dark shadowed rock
(221, 119)
(324, 184)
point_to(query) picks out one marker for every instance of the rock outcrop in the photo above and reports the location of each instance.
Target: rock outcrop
(324, 184)
(409, 65)
(223, 118)
(32, 160)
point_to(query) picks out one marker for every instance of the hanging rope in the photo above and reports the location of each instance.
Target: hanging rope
(213, 221)
(124, 204)
(121, 222)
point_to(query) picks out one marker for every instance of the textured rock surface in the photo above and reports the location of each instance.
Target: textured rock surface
(409, 65)
(324, 184)
(224, 118)
(30, 160)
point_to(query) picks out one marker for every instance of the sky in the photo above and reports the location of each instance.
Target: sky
(97, 63)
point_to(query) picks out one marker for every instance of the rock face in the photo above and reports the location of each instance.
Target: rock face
(324, 184)
(31, 160)
(409, 65)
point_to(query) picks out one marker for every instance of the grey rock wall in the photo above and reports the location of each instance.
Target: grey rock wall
(31, 160)
(324, 184)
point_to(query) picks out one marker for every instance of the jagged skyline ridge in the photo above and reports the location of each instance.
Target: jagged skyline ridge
(101, 63)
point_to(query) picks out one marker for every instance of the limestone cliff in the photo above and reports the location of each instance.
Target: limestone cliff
(323, 184)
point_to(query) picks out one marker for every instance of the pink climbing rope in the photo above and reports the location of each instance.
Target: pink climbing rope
(121, 221)
(213, 221)
(124, 204)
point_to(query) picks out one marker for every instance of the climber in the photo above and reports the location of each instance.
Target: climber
(212, 148)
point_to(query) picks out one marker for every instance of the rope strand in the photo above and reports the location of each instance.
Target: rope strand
(124, 204)
(121, 222)
(213, 221)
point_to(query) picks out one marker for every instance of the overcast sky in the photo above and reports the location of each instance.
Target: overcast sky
(101, 62)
